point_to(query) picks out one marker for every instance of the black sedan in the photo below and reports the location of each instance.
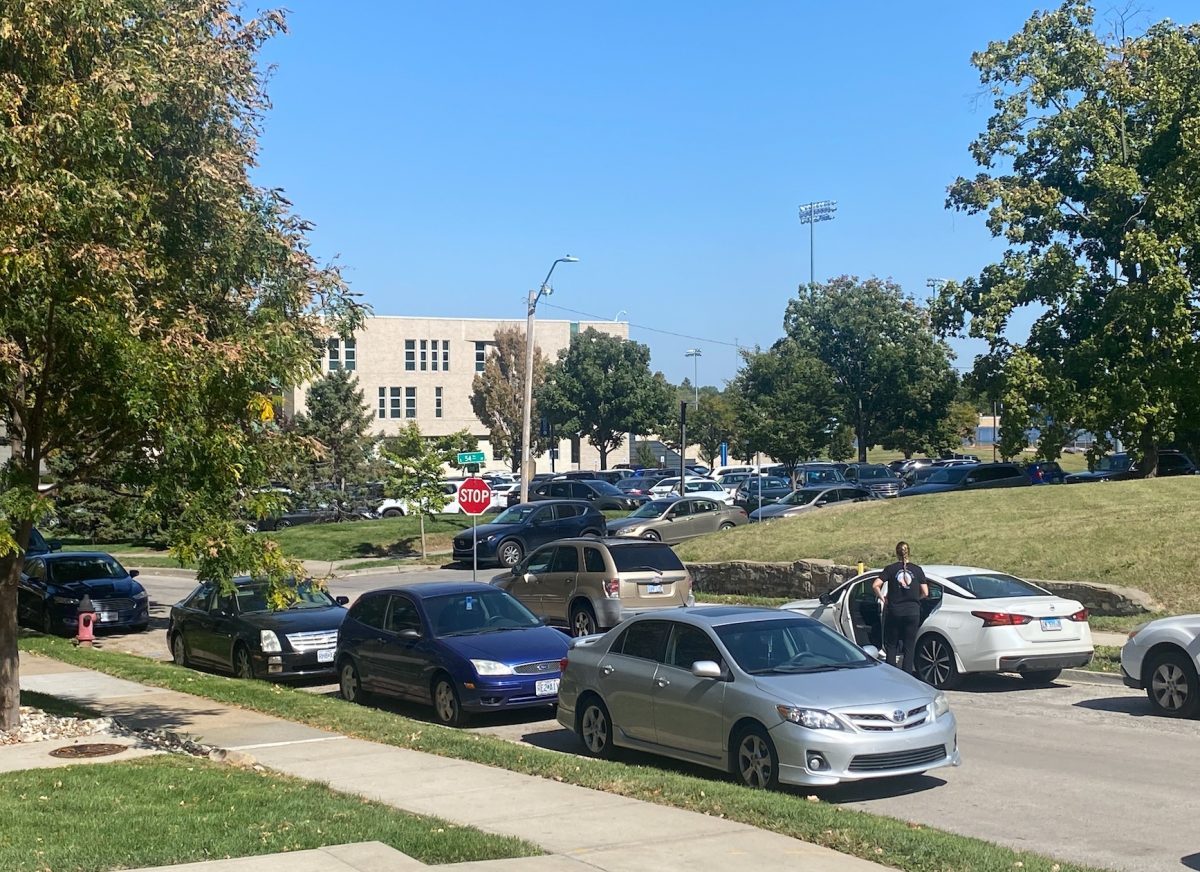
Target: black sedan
(52, 585)
(244, 632)
(600, 494)
(760, 491)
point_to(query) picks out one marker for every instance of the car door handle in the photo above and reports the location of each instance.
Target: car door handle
(607, 670)
(661, 682)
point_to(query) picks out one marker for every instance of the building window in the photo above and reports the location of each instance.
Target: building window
(480, 356)
(410, 354)
(383, 402)
(335, 361)
(350, 354)
(433, 355)
(445, 355)
(575, 449)
(410, 402)
(437, 402)
(424, 355)
(395, 402)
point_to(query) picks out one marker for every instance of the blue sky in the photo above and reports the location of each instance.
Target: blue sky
(448, 152)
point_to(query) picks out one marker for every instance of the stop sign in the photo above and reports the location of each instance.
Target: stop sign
(475, 496)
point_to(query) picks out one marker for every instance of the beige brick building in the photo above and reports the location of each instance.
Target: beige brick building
(421, 369)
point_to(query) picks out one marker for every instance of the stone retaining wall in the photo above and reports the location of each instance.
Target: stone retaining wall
(805, 579)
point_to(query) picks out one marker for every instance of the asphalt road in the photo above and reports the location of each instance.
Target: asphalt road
(1082, 772)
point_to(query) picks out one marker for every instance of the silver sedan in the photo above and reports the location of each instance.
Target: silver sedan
(771, 698)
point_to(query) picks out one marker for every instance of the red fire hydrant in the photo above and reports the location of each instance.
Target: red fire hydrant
(85, 634)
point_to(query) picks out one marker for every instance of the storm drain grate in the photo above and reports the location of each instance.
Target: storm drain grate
(94, 749)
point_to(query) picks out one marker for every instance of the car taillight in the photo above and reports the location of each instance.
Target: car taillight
(562, 665)
(1080, 616)
(1001, 619)
(612, 587)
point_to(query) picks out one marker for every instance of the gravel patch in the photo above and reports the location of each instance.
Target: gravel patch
(38, 726)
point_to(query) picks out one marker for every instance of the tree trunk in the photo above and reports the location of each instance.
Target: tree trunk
(861, 436)
(10, 678)
(422, 516)
(604, 458)
(1148, 465)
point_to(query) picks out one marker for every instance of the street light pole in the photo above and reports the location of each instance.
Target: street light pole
(810, 214)
(695, 354)
(527, 414)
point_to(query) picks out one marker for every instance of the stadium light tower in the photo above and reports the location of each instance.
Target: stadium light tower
(810, 214)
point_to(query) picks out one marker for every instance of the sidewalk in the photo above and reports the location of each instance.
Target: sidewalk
(581, 829)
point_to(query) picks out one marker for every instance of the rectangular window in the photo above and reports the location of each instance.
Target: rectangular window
(433, 355)
(383, 402)
(350, 353)
(480, 356)
(410, 354)
(334, 355)
(437, 402)
(394, 397)
(424, 355)
(445, 355)
(410, 402)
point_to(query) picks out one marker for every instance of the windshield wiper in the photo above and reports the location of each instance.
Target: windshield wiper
(800, 670)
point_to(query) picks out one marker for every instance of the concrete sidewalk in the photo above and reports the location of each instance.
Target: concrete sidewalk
(581, 829)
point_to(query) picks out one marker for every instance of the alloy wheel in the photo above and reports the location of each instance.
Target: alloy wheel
(756, 761)
(593, 729)
(348, 683)
(510, 553)
(242, 667)
(1170, 687)
(445, 704)
(935, 662)
(582, 622)
(179, 650)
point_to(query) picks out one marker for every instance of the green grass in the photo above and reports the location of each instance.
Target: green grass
(388, 537)
(167, 810)
(1122, 623)
(1135, 533)
(1107, 659)
(739, 599)
(884, 840)
(52, 705)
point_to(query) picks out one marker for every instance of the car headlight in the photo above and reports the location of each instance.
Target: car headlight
(269, 642)
(941, 705)
(814, 719)
(140, 595)
(1136, 630)
(491, 667)
(65, 600)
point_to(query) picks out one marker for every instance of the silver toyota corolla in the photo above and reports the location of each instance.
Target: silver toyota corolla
(770, 697)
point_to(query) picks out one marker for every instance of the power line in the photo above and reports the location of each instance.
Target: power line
(595, 317)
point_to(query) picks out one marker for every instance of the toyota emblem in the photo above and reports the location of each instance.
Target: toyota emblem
(898, 715)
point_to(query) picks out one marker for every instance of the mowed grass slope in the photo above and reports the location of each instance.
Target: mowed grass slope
(1141, 534)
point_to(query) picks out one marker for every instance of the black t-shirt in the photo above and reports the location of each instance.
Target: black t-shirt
(903, 584)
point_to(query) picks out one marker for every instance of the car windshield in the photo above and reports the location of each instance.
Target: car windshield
(800, 498)
(73, 569)
(790, 646)
(733, 478)
(476, 612)
(948, 475)
(652, 509)
(1113, 463)
(874, 472)
(645, 558)
(765, 482)
(996, 584)
(515, 515)
(256, 597)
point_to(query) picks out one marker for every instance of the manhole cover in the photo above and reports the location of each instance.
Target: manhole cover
(95, 749)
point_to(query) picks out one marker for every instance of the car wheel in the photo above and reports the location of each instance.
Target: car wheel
(652, 536)
(595, 729)
(1041, 676)
(583, 620)
(350, 684)
(935, 662)
(1172, 687)
(724, 527)
(243, 666)
(282, 525)
(393, 513)
(590, 533)
(510, 553)
(179, 651)
(755, 762)
(48, 626)
(446, 707)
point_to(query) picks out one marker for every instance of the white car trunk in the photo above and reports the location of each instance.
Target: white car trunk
(1051, 616)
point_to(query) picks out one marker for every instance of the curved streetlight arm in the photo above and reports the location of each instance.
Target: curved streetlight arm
(545, 286)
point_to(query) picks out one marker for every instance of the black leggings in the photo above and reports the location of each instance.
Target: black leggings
(901, 629)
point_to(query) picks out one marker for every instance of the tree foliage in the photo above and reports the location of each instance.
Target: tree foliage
(602, 388)
(415, 474)
(339, 422)
(1088, 171)
(153, 300)
(711, 424)
(498, 399)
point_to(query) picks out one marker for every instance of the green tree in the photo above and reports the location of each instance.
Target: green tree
(498, 399)
(1088, 171)
(786, 401)
(450, 445)
(891, 372)
(602, 388)
(152, 299)
(415, 475)
(711, 424)
(841, 443)
(340, 422)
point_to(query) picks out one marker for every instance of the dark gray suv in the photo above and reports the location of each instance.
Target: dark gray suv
(973, 476)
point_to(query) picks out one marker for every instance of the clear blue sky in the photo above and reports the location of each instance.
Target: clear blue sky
(448, 152)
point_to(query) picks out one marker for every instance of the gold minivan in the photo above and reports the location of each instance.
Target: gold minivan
(589, 585)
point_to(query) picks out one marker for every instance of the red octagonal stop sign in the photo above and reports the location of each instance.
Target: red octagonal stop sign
(475, 496)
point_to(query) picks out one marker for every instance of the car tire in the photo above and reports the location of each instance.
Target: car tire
(447, 708)
(393, 513)
(179, 653)
(48, 626)
(755, 762)
(595, 729)
(652, 536)
(509, 553)
(282, 525)
(595, 533)
(350, 683)
(243, 666)
(583, 620)
(1041, 677)
(935, 662)
(1172, 686)
(724, 527)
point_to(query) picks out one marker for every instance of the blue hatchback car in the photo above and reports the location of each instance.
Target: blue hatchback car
(460, 646)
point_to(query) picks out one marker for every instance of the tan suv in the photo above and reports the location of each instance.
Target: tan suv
(589, 585)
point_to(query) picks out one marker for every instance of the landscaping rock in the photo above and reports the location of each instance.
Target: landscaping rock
(239, 759)
(38, 726)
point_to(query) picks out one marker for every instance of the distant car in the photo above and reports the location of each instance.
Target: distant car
(699, 487)
(1123, 467)
(590, 585)
(761, 491)
(461, 647)
(518, 530)
(1163, 659)
(1045, 472)
(612, 476)
(599, 494)
(636, 487)
(807, 499)
(731, 480)
(974, 620)
(875, 477)
(52, 584)
(770, 697)
(674, 519)
(245, 633)
(813, 474)
(968, 477)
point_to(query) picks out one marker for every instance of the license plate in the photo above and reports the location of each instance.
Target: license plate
(654, 588)
(105, 617)
(325, 655)
(547, 687)
(1050, 624)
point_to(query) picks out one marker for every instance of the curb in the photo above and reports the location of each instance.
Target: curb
(1086, 676)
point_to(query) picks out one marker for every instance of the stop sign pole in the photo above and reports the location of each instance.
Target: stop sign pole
(474, 496)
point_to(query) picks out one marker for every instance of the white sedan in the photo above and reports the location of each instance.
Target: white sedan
(975, 620)
(696, 487)
(1163, 658)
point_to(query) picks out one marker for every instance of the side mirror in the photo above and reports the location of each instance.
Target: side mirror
(818, 504)
(408, 635)
(54, 544)
(706, 669)
(825, 599)
(342, 600)
(133, 573)
(529, 578)
(872, 651)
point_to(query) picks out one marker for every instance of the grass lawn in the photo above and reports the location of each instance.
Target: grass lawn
(1107, 659)
(722, 599)
(387, 537)
(1135, 533)
(884, 840)
(167, 809)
